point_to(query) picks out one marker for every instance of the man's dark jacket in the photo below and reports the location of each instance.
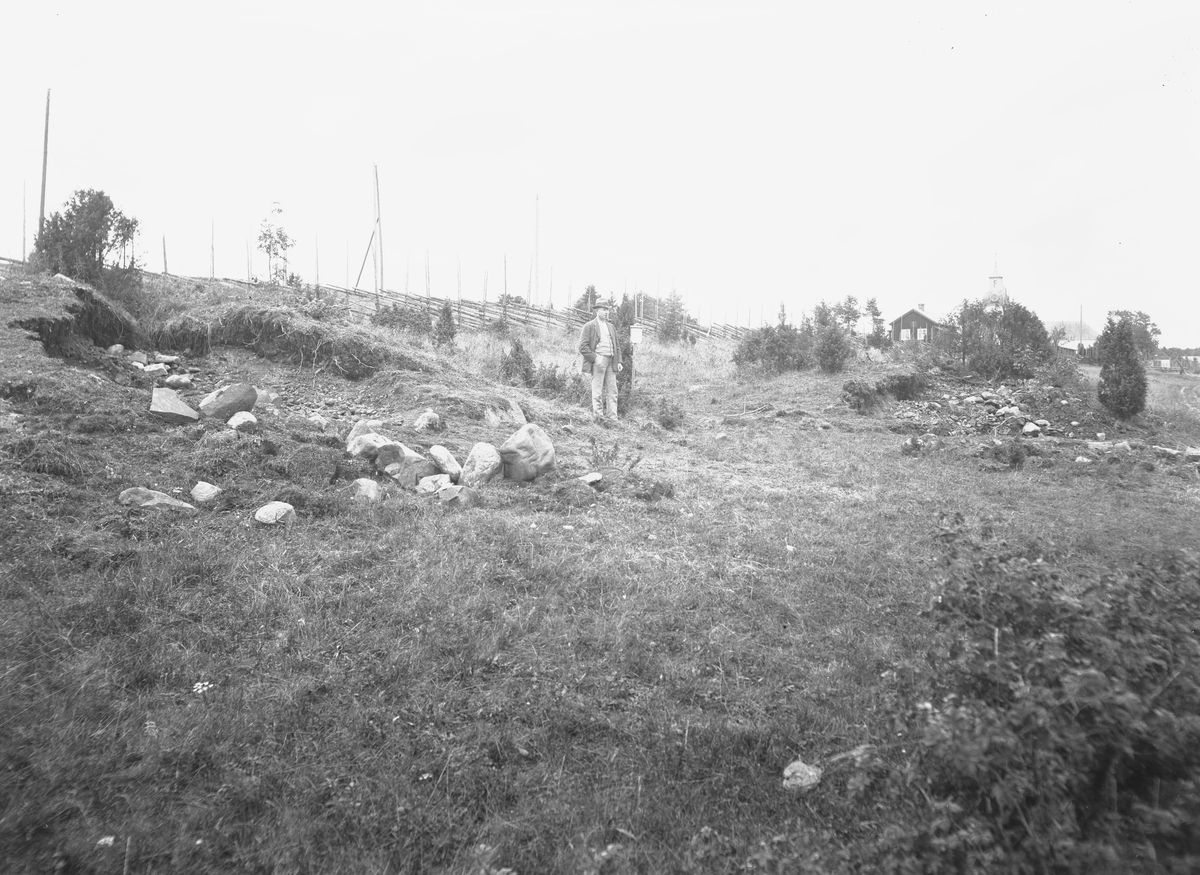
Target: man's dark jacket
(589, 338)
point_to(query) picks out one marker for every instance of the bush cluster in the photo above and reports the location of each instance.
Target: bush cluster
(1060, 725)
(404, 318)
(444, 330)
(668, 413)
(516, 366)
(776, 348)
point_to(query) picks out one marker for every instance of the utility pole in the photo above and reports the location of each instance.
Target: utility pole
(23, 216)
(45, 157)
(212, 250)
(536, 263)
(378, 228)
(164, 254)
(317, 244)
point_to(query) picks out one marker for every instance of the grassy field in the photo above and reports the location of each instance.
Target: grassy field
(559, 680)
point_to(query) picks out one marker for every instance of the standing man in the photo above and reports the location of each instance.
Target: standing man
(601, 353)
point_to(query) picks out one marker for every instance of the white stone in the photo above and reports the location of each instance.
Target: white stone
(161, 359)
(139, 496)
(800, 777)
(265, 397)
(138, 365)
(203, 492)
(446, 462)
(115, 349)
(274, 513)
(1043, 423)
(1083, 460)
(244, 421)
(431, 484)
(428, 421)
(591, 478)
(1031, 428)
(138, 358)
(365, 489)
(179, 381)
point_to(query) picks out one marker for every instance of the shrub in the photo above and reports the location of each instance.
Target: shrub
(775, 348)
(404, 318)
(1122, 387)
(561, 383)
(497, 327)
(1061, 370)
(669, 414)
(516, 366)
(860, 395)
(833, 349)
(85, 237)
(445, 329)
(1060, 730)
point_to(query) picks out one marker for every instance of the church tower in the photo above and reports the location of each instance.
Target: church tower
(997, 294)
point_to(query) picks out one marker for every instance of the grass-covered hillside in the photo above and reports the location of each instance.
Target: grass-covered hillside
(988, 648)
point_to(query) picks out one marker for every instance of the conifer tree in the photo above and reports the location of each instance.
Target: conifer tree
(1122, 387)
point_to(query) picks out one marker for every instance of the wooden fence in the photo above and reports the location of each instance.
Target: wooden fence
(476, 315)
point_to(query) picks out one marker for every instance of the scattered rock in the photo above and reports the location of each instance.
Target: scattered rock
(1083, 460)
(223, 403)
(204, 492)
(157, 370)
(160, 359)
(911, 447)
(527, 454)
(592, 478)
(138, 358)
(800, 777)
(275, 513)
(1031, 429)
(483, 463)
(446, 462)
(115, 349)
(266, 397)
(428, 421)
(244, 421)
(166, 404)
(932, 443)
(407, 467)
(363, 426)
(140, 496)
(179, 381)
(367, 446)
(433, 483)
(365, 489)
(458, 496)
(321, 422)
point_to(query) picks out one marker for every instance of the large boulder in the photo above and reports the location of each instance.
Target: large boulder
(223, 403)
(139, 496)
(483, 463)
(446, 462)
(167, 405)
(527, 454)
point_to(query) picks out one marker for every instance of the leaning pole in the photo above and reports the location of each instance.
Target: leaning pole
(45, 155)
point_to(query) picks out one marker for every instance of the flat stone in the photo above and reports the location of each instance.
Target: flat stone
(275, 513)
(458, 496)
(160, 359)
(140, 496)
(138, 358)
(167, 405)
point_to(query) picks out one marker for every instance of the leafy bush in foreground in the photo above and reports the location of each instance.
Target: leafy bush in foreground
(775, 348)
(516, 366)
(1062, 728)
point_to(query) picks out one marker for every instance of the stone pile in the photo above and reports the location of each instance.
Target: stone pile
(998, 412)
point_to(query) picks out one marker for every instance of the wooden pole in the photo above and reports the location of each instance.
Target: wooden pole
(24, 212)
(45, 159)
(317, 244)
(426, 274)
(212, 250)
(164, 254)
(536, 262)
(378, 227)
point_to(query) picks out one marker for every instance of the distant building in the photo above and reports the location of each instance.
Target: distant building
(997, 294)
(914, 325)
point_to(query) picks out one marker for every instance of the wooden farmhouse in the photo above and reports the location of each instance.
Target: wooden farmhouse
(914, 325)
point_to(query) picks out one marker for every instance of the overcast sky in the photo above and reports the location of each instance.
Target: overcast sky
(744, 153)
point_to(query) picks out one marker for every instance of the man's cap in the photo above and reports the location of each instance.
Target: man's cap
(607, 305)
